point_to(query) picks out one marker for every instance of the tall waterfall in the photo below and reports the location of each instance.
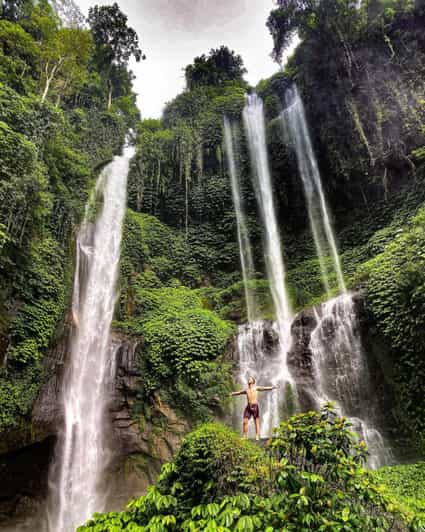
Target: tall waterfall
(251, 357)
(245, 249)
(256, 132)
(295, 124)
(82, 452)
(341, 371)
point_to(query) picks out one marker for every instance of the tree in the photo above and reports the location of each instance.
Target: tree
(332, 20)
(66, 52)
(115, 41)
(13, 10)
(19, 55)
(222, 65)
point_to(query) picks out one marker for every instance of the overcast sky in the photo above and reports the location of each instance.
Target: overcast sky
(173, 32)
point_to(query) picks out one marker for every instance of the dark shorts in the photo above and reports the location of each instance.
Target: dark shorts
(251, 410)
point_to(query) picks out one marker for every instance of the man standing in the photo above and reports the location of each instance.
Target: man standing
(251, 408)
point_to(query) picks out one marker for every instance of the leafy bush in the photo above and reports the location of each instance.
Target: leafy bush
(219, 483)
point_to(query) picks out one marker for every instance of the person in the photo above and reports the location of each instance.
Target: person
(252, 408)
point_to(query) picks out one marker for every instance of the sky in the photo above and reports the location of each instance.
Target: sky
(173, 32)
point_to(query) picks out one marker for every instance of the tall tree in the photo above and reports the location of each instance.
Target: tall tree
(331, 20)
(66, 54)
(115, 41)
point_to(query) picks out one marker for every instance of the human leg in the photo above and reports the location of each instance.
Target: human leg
(257, 428)
(245, 427)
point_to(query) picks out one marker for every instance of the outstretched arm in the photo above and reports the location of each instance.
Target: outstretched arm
(266, 388)
(240, 392)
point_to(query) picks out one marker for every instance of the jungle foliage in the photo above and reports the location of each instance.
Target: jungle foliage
(310, 477)
(182, 340)
(405, 484)
(55, 132)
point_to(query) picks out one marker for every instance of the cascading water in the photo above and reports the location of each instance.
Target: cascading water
(341, 372)
(256, 132)
(295, 125)
(245, 250)
(252, 358)
(82, 454)
(342, 375)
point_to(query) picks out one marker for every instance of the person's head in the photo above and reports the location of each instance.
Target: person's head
(251, 381)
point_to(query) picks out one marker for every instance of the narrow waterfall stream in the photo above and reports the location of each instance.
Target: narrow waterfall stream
(341, 373)
(245, 249)
(256, 132)
(82, 453)
(295, 125)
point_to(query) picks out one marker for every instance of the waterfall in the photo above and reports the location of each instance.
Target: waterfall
(341, 373)
(295, 124)
(256, 132)
(82, 453)
(245, 249)
(267, 371)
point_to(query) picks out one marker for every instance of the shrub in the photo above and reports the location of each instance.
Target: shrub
(219, 483)
(406, 484)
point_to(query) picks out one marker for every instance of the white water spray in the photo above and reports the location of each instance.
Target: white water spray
(295, 124)
(245, 249)
(341, 373)
(259, 358)
(82, 453)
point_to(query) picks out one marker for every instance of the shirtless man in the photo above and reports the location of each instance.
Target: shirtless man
(251, 408)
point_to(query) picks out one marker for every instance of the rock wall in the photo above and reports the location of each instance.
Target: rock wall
(141, 446)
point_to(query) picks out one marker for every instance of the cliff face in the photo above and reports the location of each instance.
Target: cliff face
(143, 441)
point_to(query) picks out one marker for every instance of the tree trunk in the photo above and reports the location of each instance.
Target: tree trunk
(50, 76)
(46, 88)
(110, 96)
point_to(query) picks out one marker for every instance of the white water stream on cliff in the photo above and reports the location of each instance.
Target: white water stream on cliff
(254, 122)
(340, 369)
(245, 249)
(295, 124)
(341, 373)
(82, 453)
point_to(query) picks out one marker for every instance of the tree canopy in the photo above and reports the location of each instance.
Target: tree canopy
(220, 66)
(114, 40)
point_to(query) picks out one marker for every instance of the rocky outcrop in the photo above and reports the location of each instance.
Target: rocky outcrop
(300, 357)
(141, 443)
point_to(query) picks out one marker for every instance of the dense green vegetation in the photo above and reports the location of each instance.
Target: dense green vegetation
(66, 102)
(405, 483)
(56, 130)
(310, 477)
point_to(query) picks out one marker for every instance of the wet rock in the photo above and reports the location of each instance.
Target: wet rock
(140, 445)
